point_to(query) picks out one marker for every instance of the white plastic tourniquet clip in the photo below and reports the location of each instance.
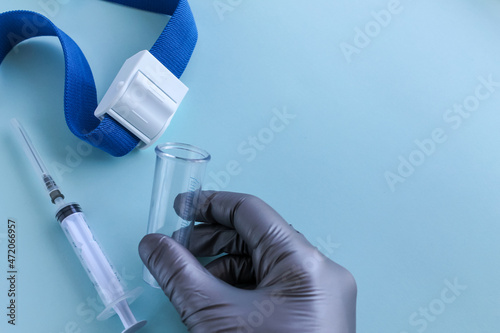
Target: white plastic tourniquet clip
(143, 98)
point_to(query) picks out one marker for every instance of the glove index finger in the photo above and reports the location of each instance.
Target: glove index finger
(177, 272)
(255, 221)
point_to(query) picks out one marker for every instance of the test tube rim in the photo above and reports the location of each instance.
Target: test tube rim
(162, 152)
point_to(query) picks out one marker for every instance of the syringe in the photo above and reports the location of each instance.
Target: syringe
(72, 221)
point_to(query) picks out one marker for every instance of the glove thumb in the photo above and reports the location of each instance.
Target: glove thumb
(187, 284)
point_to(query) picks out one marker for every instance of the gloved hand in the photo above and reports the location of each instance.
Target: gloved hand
(288, 285)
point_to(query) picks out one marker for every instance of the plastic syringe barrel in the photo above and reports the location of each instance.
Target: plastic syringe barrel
(90, 253)
(101, 273)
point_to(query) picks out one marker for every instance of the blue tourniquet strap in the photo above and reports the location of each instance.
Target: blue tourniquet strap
(174, 49)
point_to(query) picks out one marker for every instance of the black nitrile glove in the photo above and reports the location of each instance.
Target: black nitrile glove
(288, 285)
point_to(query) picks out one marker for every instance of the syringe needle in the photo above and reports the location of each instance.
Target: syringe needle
(29, 149)
(36, 160)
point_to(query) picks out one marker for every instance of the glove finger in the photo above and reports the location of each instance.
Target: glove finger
(233, 269)
(257, 223)
(212, 239)
(187, 284)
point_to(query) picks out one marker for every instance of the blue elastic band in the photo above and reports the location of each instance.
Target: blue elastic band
(174, 49)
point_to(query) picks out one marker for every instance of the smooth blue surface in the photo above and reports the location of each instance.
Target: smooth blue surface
(324, 171)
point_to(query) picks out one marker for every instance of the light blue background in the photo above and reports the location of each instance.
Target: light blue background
(324, 172)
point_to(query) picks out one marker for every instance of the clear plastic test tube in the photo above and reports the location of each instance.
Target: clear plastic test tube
(179, 173)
